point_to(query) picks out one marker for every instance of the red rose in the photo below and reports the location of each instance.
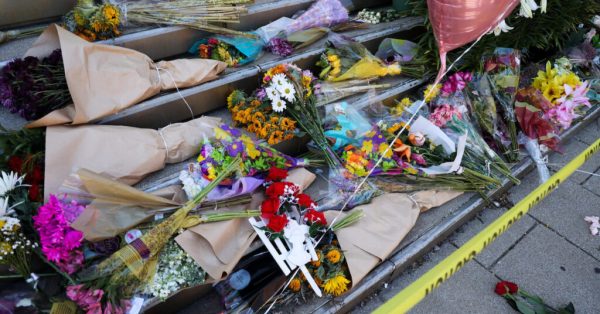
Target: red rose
(276, 189)
(305, 200)
(506, 287)
(213, 41)
(314, 216)
(34, 193)
(15, 163)
(277, 223)
(269, 207)
(276, 174)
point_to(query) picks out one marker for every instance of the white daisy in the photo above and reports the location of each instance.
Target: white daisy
(9, 181)
(279, 79)
(3, 206)
(278, 104)
(272, 93)
(287, 91)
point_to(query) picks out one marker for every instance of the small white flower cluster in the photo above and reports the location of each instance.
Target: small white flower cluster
(190, 186)
(176, 270)
(376, 17)
(279, 91)
(12, 240)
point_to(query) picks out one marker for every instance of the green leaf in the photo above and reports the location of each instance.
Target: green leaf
(524, 307)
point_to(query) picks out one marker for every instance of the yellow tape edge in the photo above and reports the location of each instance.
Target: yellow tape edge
(419, 289)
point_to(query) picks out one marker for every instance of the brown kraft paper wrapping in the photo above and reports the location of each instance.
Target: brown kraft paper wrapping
(387, 220)
(218, 247)
(126, 154)
(104, 79)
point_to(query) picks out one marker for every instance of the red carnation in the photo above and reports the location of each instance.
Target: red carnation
(305, 200)
(213, 41)
(269, 207)
(276, 174)
(277, 223)
(506, 287)
(276, 189)
(313, 216)
(37, 176)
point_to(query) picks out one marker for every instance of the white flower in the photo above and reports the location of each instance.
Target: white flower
(279, 79)
(278, 104)
(272, 93)
(527, 8)
(287, 91)
(501, 28)
(596, 21)
(9, 181)
(3, 206)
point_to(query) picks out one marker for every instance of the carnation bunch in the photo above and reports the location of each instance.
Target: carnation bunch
(60, 244)
(33, 87)
(284, 201)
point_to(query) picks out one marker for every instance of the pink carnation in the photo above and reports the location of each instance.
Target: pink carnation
(59, 242)
(90, 300)
(444, 113)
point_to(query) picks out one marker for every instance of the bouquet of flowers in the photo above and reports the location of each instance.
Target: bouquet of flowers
(502, 69)
(15, 247)
(321, 13)
(234, 51)
(32, 87)
(345, 59)
(283, 86)
(94, 21)
(565, 92)
(230, 144)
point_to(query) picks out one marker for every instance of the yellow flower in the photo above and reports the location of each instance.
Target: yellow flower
(367, 146)
(334, 256)
(275, 137)
(250, 148)
(258, 116)
(111, 14)
(79, 18)
(570, 79)
(288, 124)
(200, 158)
(211, 172)
(230, 100)
(411, 170)
(382, 149)
(332, 58)
(5, 247)
(96, 26)
(221, 134)
(336, 285)
(295, 285)
(2, 223)
(431, 92)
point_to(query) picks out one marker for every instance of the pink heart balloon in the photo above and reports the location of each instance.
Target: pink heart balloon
(458, 22)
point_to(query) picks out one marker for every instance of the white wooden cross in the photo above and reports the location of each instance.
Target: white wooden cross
(297, 250)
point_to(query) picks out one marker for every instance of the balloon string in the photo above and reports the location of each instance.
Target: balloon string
(364, 180)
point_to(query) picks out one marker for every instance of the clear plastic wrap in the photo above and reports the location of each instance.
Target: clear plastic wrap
(533, 148)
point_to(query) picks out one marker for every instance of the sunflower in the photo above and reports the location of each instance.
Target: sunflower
(275, 137)
(274, 119)
(257, 125)
(97, 26)
(111, 14)
(258, 116)
(262, 133)
(295, 285)
(288, 136)
(255, 103)
(333, 256)
(336, 285)
(288, 124)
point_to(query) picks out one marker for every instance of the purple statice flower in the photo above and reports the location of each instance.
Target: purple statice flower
(280, 47)
(235, 148)
(261, 93)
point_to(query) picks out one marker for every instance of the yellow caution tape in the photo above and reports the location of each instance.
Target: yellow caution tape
(413, 294)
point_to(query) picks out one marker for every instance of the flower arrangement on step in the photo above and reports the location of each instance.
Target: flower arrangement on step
(93, 21)
(263, 113)
(235, 51)
(230, 144)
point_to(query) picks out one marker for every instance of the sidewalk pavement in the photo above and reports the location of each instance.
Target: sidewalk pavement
(549, 252)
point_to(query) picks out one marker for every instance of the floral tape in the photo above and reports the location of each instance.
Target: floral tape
(419, 289)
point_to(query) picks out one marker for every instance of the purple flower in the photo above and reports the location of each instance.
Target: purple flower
(261, 94)
(235, 148)
(233, 131)
(456, 82)
(280, 47)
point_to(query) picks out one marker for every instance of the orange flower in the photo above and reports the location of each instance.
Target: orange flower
(274, 119)
(257, 125)
(255, 103)
(288, 124)
(402, 149)
(317, 263)
(295, 285)
(275, 137)
(262, 133)
(258, 116)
